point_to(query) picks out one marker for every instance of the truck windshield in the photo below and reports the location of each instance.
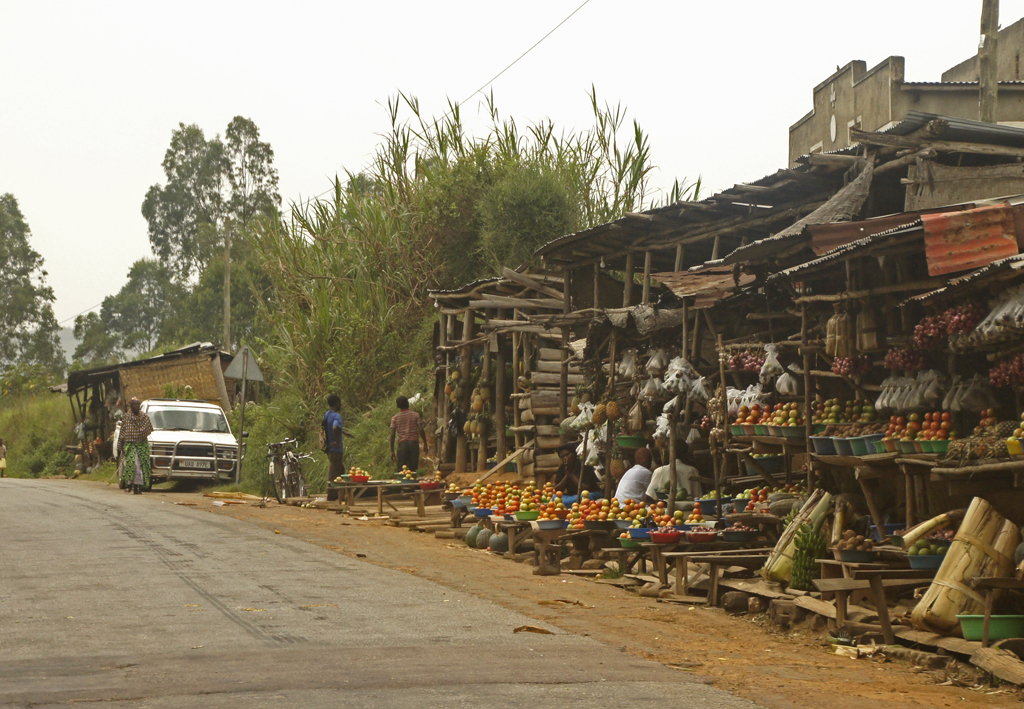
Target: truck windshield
(188, 420)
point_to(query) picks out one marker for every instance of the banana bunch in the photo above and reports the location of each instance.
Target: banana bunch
(810, 546)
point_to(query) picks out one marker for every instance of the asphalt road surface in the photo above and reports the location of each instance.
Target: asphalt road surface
(125, 600)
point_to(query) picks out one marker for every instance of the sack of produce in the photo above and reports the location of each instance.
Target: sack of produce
(983, 548)
(867, 330)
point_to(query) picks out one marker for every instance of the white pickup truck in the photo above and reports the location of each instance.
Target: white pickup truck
(191, 440)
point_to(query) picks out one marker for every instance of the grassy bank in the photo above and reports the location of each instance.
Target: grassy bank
(35, 429)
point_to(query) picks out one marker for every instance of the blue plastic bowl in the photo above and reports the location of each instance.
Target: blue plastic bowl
(640, 532)
(483, 511)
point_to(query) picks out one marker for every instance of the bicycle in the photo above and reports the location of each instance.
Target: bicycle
(285, 470)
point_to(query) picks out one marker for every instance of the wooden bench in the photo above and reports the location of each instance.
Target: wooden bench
(682, 559)
(715, 563)
(876, 582)
(990, 586)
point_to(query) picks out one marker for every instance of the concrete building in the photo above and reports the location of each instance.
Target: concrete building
(874, 99)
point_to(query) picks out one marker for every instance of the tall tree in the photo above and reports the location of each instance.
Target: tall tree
(133, 320)
(28, 329)
(207, 181)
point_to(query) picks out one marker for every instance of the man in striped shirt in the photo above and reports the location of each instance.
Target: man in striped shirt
(407, 426)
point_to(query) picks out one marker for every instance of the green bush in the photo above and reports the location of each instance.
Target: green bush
(36, 429)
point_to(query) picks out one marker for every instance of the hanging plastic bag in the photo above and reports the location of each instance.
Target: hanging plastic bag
(771, 367)
(635, 420)
(627, 366)
(698, 390)
(693, 436)
(657, 363)
(788, 384)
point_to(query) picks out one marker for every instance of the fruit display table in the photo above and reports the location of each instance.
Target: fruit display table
(517, 532)
(547, 550)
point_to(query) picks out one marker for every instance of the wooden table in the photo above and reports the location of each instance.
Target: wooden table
(517, 532)
(547, 548)
(990, 586)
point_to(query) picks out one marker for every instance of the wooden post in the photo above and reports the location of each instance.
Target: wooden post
(807, 397)
(227, 285)
(672, 487)
(686, 324)
(485, 373)
(646, 295)
(500, 399)
(465, 360)
(610, 439)
(988, 77)
(597, 285)
(627, 291)
(719, 469)
(679, 258)
(517, 420)
(714, 249)
(563, 383)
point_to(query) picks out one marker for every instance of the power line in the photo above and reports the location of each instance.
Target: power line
(81, 313)
(495, 77)
(516, 61)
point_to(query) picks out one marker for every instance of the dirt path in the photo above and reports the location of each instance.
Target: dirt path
(781, 670)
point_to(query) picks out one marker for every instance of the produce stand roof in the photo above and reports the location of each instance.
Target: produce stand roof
(753, 208)
(82, 378)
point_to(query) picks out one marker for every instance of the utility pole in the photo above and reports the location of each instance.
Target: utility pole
(988, 77)
(227, 284)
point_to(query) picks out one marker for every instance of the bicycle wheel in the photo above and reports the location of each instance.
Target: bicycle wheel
(277, 480)
(293, 480)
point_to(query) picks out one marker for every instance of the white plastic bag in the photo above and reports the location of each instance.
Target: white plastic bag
(698, 391)
(788, 384)
(656, 363)
(627, 366)
(771, 367)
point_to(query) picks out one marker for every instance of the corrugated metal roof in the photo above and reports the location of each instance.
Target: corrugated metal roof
(848, 248)
(714, 282)
(960, 130)
(961, 241)
(994, 269)
(827, 237)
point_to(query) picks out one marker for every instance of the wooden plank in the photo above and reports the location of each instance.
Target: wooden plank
(552, 367)
(958, 645)
(508, 459)
(830, 585)
(1002, 663)
(550, 378)
(500, 301)
(816, 606)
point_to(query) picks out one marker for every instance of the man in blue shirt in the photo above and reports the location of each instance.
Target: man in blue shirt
(333, 431)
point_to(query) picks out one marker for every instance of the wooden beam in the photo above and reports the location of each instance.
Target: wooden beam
(627, 291)
(523, 279)
(498, 301)
(645, 298)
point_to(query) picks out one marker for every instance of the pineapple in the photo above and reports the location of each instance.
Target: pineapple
(612, 411)
(600, 414)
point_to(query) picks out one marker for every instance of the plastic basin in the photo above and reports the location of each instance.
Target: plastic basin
(890, 529)
(823, 445)
(483, 511)
(926, 561)
(549, 524)
(666, 537)
(527, 516)
(607, 524)
(859, 446)
(639, 532)
(906, 447)
(629, 543)
(771, 464)
(1000, 627)
(701, 537)
(843, 446)
(728, 536)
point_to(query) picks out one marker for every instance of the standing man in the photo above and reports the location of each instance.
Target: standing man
(408, 426)
(333, 430)
(3, 458)
(133, 448)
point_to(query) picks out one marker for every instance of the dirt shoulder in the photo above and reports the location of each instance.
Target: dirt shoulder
(739, 654)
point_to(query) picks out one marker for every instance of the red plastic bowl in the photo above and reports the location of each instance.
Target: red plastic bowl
(666, 537)
(359, 478)
(431, 485)
(701, 537)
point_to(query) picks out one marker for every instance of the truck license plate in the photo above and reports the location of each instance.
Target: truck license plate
(201, 464)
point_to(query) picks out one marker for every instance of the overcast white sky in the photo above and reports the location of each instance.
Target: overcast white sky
(90, 91)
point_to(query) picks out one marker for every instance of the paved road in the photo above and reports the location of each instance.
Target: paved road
(129, 601)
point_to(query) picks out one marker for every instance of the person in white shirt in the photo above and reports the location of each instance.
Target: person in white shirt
(661, 479)
(633, 483)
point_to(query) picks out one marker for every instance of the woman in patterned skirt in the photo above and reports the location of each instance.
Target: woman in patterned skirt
(133, 448)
